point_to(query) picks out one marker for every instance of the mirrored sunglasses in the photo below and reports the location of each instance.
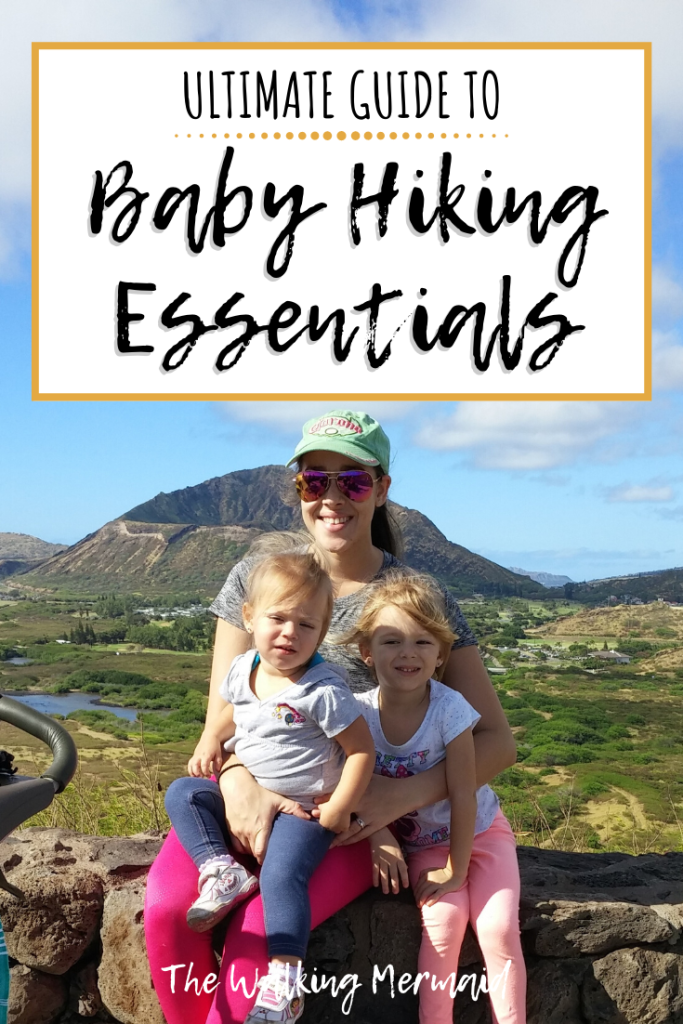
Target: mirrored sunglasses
(355, 484)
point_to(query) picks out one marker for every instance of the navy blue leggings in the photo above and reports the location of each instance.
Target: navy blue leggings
(295, 849)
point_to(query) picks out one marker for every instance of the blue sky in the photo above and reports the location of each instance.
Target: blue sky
(587, 489)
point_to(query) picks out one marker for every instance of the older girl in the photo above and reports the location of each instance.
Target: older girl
(460, 851)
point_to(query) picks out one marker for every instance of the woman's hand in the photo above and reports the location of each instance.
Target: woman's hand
(207, 757)
(388, 863)
(375, 810)
(250, 810)
(434, 883)
(386, 799)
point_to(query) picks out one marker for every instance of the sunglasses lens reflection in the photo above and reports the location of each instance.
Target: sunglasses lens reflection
(354, 484)
(311, 484)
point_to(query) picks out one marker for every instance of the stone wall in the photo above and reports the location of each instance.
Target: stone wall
(602, 936)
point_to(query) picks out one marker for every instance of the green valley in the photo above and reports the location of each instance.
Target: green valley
(600, 745)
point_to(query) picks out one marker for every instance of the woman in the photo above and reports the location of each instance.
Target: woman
(343, 482)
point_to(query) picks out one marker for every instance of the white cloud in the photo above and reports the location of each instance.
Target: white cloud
(667, 295)
(667, 360)
(657, 21)
(123, 21)
(308, 20)
(526, 435)
(292, 415)
(15, 238)
(639, 492)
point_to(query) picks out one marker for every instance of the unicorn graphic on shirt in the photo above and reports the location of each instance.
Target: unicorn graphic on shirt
(288, 713)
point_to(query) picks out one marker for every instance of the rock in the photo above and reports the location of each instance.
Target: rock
(469, 1012)
(586, 915)
(673, 913)
(124, 979)
(597, 1005)
(46, 850)
(469, 952)
(647, 879)
(55, 923)
(553, 995)
(35, 997)
(84, 995)
(645, 985)
(576, 929)
(331, 946)
(395, 932)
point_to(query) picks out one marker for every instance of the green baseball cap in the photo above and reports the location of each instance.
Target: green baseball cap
(348, 432)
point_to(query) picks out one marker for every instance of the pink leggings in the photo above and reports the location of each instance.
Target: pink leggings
(344, 874)
(490, 900)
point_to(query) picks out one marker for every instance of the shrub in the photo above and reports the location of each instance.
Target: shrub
(593, 787)
(62, 687)
(522, 716)
(106, 677)
(102, 721)
(560, 754)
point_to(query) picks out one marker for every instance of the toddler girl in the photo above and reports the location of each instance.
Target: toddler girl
(300, 732)
(461, 853)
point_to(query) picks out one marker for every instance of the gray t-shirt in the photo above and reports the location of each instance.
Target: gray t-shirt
(228, 606)
(447, 716)
(287, 741)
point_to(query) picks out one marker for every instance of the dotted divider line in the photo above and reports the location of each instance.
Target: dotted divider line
(341, 136)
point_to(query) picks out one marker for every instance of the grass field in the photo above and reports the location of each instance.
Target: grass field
(600, 751)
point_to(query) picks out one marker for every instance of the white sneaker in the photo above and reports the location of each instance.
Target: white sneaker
(273, 1004)
(221, 888)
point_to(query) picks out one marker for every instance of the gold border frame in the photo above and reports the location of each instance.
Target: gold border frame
(646, 395)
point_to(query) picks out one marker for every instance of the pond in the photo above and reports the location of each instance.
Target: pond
(63, 703)
(18, 661)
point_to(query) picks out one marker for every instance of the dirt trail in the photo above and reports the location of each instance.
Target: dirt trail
(87, 731)
(560, 778)
(636, 808)
(612, 813)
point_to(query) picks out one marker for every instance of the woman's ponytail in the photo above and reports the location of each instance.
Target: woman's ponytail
(385, 531)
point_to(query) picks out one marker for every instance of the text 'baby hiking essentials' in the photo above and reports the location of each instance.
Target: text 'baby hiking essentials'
(354, 434)
(355, 484)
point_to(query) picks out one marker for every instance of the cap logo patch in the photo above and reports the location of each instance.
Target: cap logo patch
(330, 425)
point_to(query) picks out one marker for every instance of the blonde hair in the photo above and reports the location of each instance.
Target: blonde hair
(280, 542)
(289, 576)
(417, 596)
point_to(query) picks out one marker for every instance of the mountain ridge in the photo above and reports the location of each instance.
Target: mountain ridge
(548, 579)
(187, 541)
(190, 538)
(25, 548)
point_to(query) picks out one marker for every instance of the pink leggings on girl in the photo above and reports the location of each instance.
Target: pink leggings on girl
(490, 900)
(187, 993)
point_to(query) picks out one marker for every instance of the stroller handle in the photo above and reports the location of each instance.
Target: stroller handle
(21, 797)
(56, 737)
